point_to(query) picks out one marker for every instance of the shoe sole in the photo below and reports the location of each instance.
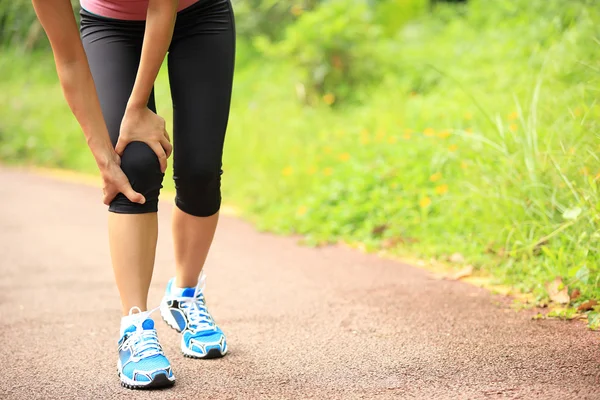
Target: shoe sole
(170, 320)
(212, 354)
(160, 381)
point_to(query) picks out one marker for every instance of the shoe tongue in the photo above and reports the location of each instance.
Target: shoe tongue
(188, 292)
(148, 324)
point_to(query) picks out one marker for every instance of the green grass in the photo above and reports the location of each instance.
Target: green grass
(481, 138)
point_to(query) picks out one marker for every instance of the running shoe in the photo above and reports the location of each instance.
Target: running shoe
(142, 363)
(184, 309)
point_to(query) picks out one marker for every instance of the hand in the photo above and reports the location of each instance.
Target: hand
(115, 181)
(140, 124)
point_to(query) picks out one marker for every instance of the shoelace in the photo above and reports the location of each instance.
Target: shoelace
(195, 307)
(143, 342)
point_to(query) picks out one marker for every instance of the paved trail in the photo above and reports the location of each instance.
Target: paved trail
(302, 323)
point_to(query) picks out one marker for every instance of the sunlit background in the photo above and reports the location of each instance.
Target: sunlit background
(465, 131)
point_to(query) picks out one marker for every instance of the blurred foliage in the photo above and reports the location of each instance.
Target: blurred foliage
(337, 47)
(17, 22)
(340, 46)
(19, 27)
(268, 17)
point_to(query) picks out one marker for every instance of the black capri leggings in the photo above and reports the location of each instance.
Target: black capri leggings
(200, 62)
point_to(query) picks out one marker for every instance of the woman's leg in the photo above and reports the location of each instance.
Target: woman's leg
(132, 239)
(113, 49)
(192, 237)
(201, 61)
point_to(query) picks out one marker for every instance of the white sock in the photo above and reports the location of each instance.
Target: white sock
(179, 291)
(133, 319)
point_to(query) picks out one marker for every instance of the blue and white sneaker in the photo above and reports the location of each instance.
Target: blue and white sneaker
(184, 309)
(142, 363)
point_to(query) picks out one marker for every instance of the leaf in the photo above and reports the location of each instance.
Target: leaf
(594, 321)
(571, 214)
(554, 286)
(583, 274)
(379, 229)
(392, 242)
(575, 294)
(558, 292)
(561, 297)
(457, 258)
(587, 306)
(463, 273)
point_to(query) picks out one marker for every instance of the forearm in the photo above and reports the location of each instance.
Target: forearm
(160, 22)
(57, 19)
(80, 92)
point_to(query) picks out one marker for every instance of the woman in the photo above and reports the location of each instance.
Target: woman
(107, 72)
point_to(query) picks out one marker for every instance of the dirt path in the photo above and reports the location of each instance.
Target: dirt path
(302, 323)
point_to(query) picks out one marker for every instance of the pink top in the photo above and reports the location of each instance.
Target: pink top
(132, 10)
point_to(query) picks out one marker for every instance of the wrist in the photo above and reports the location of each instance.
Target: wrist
(103, 152)
(136, 103)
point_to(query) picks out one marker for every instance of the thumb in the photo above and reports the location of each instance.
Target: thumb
(132, 195)
(121, 144)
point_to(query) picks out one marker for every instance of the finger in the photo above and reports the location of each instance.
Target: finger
(109, 195)
(132, 195)
(162, 156)
(167, 146)
(121, 144)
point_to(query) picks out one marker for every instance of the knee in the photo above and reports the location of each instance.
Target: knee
(140, 165)
(199, 190)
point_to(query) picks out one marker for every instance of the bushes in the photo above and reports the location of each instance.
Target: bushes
(336, 49)
(342, 47)
(19, 27)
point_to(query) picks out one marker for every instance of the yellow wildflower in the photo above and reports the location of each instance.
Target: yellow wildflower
(585, 171)
(392, 140)
(468, 116)
(344, 157)
(435, 177)
(301, 211)
(469, 131)
(452, 148)
(513, 116)
(464, 165)
(441, 189)
(425, 202)
(406, 136)
(444, 134)
(287, 171)
(297, 10)
(428, 132)
(329, 99)
(327, 171)
(513, 127)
